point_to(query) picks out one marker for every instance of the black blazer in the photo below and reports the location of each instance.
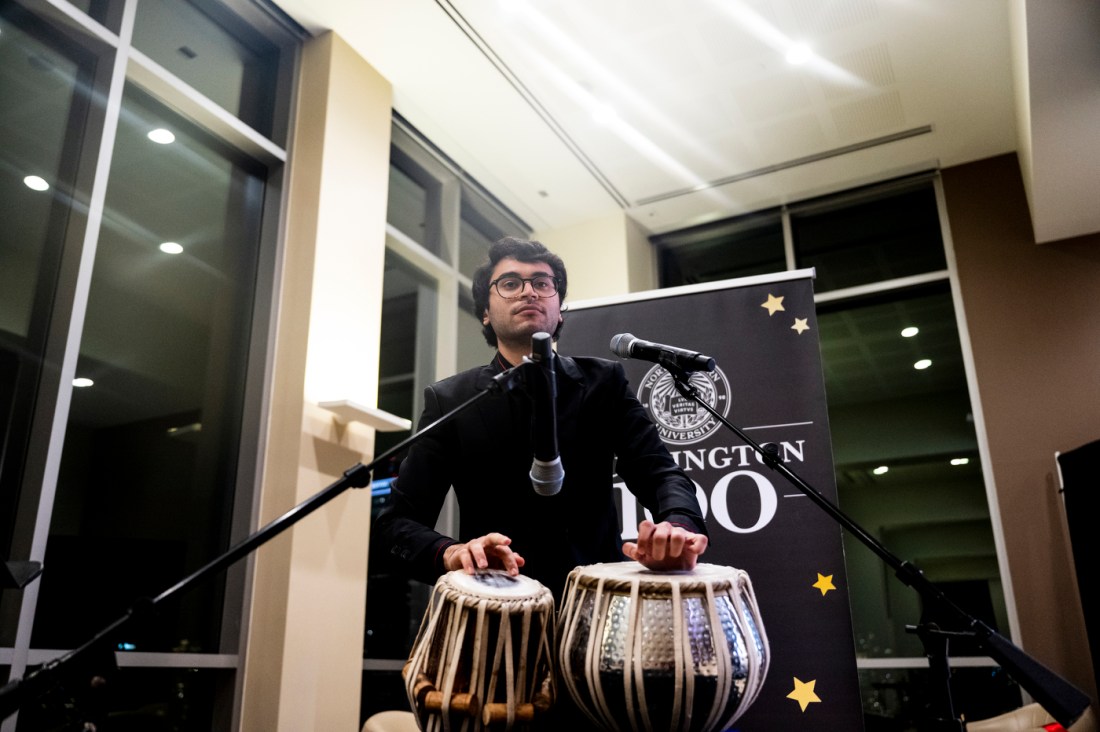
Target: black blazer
(486, 453)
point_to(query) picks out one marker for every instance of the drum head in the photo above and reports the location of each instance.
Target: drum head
(495, 584)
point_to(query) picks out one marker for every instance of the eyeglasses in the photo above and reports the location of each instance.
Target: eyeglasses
(510, 286)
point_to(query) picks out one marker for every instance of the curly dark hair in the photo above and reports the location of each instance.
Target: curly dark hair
(524, 251)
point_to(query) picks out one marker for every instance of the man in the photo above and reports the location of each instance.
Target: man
(486, 452)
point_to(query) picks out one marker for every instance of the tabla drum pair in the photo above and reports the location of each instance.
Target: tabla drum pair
(636, 649)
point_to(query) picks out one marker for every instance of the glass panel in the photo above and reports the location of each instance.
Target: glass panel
(890, 236)
(472, 348)
(146, 699)
(406, 365)
(896, 700)
(42, 137)
(928, 506)
(147, 472)
(237, 71)
(744, 247)
(475, 235)
(407, 344)
(406, 205)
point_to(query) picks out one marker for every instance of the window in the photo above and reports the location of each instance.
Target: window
(134, 295)
(905, 450)
(743, 247)
(440, 225)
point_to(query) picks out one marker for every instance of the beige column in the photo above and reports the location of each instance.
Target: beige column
(606, 256)
(302, 663)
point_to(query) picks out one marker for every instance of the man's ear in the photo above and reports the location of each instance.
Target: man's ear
(485, 318)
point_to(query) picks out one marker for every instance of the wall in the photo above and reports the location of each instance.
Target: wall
(605, 257)
(1034, 326)
(304, 655)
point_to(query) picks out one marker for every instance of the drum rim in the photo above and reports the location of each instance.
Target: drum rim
(617, 576)
(458, 585)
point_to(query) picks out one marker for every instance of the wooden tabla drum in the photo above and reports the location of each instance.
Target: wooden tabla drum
(656, 651)
(484, 656)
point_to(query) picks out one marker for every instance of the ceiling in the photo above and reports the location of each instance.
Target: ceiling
(680, 113)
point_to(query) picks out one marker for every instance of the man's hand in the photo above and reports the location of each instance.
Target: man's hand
(492, 550)
(664, 547)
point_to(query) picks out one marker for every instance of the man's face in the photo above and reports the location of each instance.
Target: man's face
(516, 320)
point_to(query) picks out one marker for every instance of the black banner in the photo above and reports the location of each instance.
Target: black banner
(762, 332)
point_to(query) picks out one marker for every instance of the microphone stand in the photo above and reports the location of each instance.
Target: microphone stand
(50, 675)
(1065, 702)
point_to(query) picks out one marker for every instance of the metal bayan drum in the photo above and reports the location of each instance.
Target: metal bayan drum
(643, 650)
(484, 654)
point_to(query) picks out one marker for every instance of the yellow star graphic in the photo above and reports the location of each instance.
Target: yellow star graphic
(800, 325)
(774, 303)
(803, 693)
(824, 583)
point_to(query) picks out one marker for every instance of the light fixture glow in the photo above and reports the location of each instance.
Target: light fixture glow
(798, 54)
(605, 114)
(36, 183)
(81, 382)
(880, 470)
(171, 247)
(922, 364)
(909, 332)
(161, 136)
(960, 461)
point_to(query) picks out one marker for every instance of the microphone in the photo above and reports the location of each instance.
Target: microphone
(546, 470)
(624, 345)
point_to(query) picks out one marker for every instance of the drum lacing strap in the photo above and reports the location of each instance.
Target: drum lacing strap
(451, 660)
(569, 619)
(480, 652)
(427, 630)
(503, 652)
(635, 627)
(546, 651)
(525, 638)
(760, 648)
(721, 648)
(593, 654)
(684, 688)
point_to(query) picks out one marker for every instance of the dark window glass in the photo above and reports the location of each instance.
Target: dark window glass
(406, 206)
(41, 139)
(105, 12)
(889, 236)
(237, 69)
(742, 247)
(407, 343)
(147, 475)
(907, 464)
(146, 699)
(482, 222)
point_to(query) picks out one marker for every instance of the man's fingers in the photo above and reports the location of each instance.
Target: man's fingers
(676, 541)
(697, 543)
(509, 560)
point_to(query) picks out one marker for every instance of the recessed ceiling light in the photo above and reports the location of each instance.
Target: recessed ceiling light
(35, 183)
(161, 136)
(909, 332)
(880, 470)
(922, 364)
(960, 461)
(171, 247)
(80, 382)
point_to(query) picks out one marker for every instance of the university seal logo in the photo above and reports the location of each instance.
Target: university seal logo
(680, 420)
